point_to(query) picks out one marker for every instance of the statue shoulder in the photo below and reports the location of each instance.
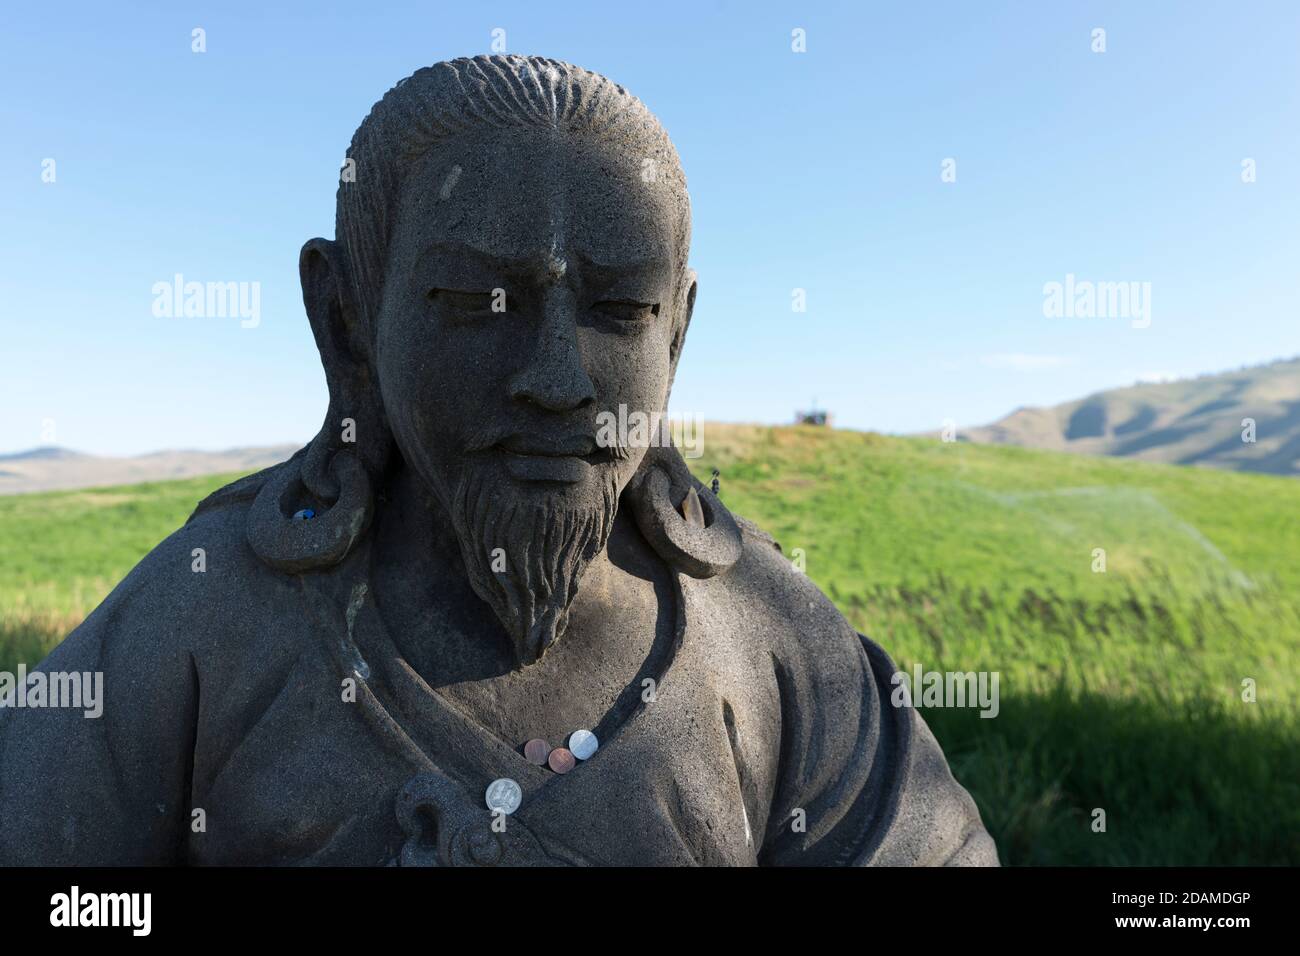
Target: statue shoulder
(754, 536)
(771, 583)
(200, 586)
(835, 686)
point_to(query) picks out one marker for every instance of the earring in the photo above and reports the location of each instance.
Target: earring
(665, 497)
(289, 529)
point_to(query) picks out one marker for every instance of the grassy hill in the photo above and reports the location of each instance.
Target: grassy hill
(1195, 421)
(1120, 690)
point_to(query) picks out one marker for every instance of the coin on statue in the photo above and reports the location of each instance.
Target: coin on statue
(504, 796)
(536, 751)
(583, 743)
(561, 760)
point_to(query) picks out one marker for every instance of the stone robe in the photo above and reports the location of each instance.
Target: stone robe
(770, 738)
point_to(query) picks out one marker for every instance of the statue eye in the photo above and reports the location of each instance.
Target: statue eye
(470, 305)
(627, 311)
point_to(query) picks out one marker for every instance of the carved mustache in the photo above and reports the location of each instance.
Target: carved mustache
(581, 444)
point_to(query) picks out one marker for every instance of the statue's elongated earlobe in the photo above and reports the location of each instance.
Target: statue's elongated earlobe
(291, 530)
(660, 486)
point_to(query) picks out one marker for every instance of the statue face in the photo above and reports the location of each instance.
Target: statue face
(531, 285)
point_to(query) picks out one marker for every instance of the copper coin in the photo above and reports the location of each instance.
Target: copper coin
(561, 761)
(537, 750)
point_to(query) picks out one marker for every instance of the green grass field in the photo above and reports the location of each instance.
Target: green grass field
(1120, 691)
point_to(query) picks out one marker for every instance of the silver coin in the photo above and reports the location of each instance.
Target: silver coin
(504, 796)
(583, 743)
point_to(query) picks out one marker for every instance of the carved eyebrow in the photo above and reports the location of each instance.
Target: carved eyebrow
(456, 248)
(626, 267)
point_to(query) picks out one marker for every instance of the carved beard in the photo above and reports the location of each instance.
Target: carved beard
(544, 545)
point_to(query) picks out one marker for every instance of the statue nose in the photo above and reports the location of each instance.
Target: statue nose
(554, 377)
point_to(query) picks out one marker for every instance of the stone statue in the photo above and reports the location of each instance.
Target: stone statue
(455, 590)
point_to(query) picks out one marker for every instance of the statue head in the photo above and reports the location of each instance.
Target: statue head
(510, 261)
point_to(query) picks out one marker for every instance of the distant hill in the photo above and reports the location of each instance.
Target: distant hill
(52, 469)
(1194, 421)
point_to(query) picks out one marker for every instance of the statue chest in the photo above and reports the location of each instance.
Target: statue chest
(608, 662)
(684, 772)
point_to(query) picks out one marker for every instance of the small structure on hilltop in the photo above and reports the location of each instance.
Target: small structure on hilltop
(813, 416)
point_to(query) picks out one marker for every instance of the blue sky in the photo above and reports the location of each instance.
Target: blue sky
(818, 170)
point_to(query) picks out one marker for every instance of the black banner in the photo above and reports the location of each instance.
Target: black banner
(924, 906)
